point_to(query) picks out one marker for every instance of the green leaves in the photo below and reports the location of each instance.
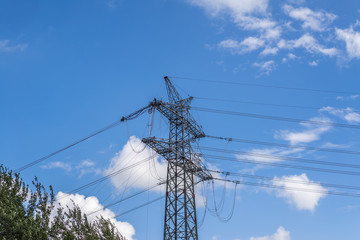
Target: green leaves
(26, 214)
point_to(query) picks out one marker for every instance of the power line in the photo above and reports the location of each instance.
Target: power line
(126, 198)
(231, 213)
(325, 170)
(112, 125)
(277, 118)
(289, 188)
(107, 176)
(265, 85)
(241, 140)
(140, 206)
(293, 159)
(285, 180)
(261, 103)
(255, 103)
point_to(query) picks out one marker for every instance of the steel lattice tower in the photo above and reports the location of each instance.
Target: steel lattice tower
(184, 166)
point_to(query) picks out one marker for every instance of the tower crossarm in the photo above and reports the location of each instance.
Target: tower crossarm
(204, 174)
(172, 113)
(193, 161)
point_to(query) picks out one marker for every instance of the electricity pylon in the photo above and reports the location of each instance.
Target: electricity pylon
(184, 165)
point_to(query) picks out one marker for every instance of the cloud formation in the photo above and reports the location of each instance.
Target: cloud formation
(316, 21)
(281, 234)
(84, 167)
(289, 57)
(310, 134)
(5, 46)
(247, 45)
(266, 67)
(309, 43)
(249, 15)
(265, 155)
(149, 169)
(236, 8)
(58, 164)
(90, 204)
(347, 114)
(352, 41)
(297, 27)
(141, 176)
(306, 199)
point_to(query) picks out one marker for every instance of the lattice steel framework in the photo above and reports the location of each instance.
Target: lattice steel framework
(184, 166)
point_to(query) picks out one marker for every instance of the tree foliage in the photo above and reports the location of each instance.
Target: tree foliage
(31, 214)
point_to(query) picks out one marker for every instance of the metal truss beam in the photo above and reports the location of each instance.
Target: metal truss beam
(183, 165)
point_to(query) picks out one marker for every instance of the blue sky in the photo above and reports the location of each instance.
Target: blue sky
(69, 68)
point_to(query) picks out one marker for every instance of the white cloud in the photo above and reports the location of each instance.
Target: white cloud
(247, 14)
(235, 8)
(247, 45)
(307, 199)
(352, 41)
(334, 145)
(314, 63)
(352, 97)
(309, 43)
(58, 164)
(269, 51)
(266, 67)
(144, 175)
(356, 24)
(262, 155)
(290, 56)
(352, 117)
(348, 114)
(265, 155)
(5, 46)
(109, 148)
(311, 134)
(141, 176)
(254, 16)
(303, 136)
(86, 163)
(281, 234)
(252, 43)
(87, 166)
(317, 21)
(89, 205)
(230, 44)
(267, 32)
(268, 28)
